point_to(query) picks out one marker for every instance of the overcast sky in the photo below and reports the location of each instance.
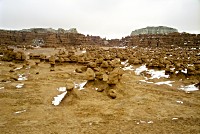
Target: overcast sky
(106, 18)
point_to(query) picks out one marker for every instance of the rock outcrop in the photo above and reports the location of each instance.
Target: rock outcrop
(46, 37)
(154, 30)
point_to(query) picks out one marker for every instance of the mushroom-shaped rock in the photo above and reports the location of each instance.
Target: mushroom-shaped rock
(92, 64)
(114, 76)
(104, 64)
(112, 94)
(69, 85)
(90, 75)
(52, 60)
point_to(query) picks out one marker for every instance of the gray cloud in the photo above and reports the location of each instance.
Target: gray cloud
(107, 18)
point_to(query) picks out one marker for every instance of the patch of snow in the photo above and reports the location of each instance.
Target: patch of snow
(141, 69)
(22, 77)
(149, 82)
(2, 88)
(80, 85)
(184, 71)
(142, 121)
(134, 47)
(28, 67)
(150, 122)
(172, 69)
(154, 74)
(189, 65)
(128, 68)
(157, 74)
(165, 82)
(175, 118)
(58, 98)
(19, 85)
(18, 68)
(62, 89)
(176, 72)
(84, 51)
(179, 102)
(124, 63)
(189, 88)
(18, 112)
(121, 47)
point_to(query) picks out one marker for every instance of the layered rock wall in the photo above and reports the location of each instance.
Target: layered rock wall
(154, 30)
(160, 40)
(46, 37)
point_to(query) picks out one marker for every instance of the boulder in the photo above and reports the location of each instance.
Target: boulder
(115, 76)
(90, 75)
(69, 85)
(112, 93)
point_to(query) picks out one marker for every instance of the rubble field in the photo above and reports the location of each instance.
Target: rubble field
(99, 90)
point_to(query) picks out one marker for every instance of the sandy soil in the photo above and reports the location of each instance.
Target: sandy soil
(139, 107)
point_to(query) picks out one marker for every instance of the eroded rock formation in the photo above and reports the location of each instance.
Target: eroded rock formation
(154, 30)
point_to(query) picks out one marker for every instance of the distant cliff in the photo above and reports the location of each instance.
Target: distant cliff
(154, 30)
(46, 37)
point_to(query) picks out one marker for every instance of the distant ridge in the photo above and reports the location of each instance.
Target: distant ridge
(154, 30)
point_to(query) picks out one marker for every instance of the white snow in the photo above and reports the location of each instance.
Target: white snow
(150, 122)
(172, 69)
(18, 112)
(1, 88)
(154, 74)
(18, 68)
(134, 47)
(149, 82)
(165, 82)
(19, 85)
(174, 118)
(124, 63)
(22, 77)
(157, 74)
(62, 89)
(189, 88)
(84, 51)
(141, 69)
(59, 98)
(179, 102)
(128, 68)
(184, 71)
(190, 65)
(80, 85)
(176, 72)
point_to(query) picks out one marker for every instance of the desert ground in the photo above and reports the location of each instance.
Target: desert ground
(143, 101)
